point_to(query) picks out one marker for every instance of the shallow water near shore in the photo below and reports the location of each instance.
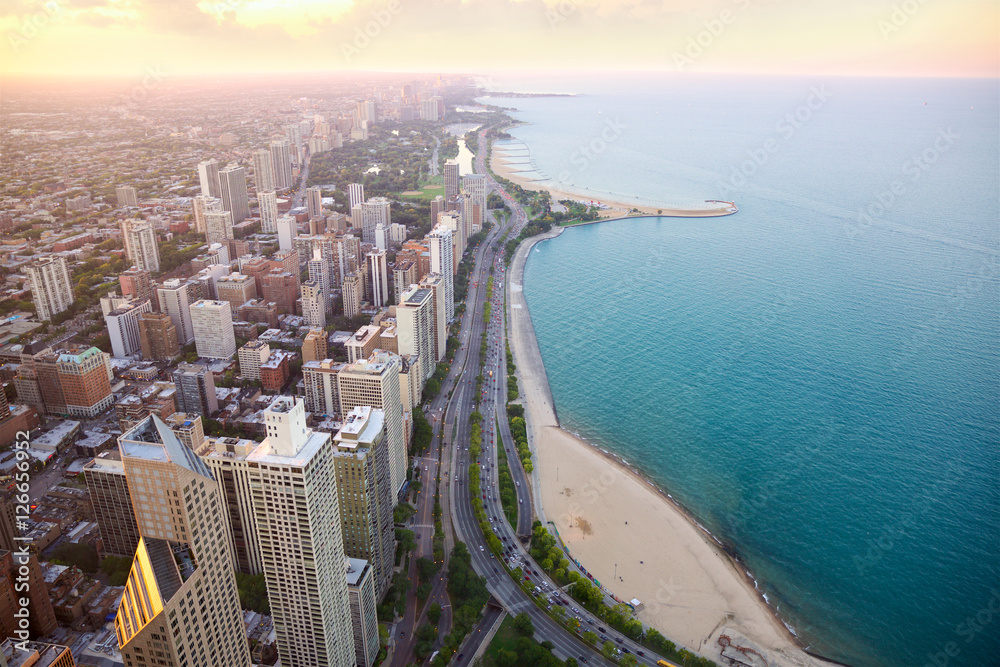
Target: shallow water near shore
(821, 394)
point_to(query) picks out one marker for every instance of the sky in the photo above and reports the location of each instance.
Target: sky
(122, 38)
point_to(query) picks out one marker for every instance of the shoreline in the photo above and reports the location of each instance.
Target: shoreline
(695, 587)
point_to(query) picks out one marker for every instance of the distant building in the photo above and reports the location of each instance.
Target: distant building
(379, 278)
(263, 171)
(288, 229)
(475, 185)
(136, 284)
(218, 226)
(435, 283)
(195, 390)
(274, 372)
(122, 319)
(364, 611)
(51, 289)
(212, 322)
(236, 289)
(267, 202)
(451, 178)
(314, 347)
(281, 288)
(313, 304)
(112, 504)
(314, 202)
(376, 211)
(353, 291)
(201, 205)
(415, 329)
(126, 196)
(233, 180)
(140, 245)
(281, 163)
(442, 256)
(252, 355)
(208, 177)
(355, 194)
(175, 300)
(158, 337)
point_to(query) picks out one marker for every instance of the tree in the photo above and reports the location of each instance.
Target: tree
(253, 592)
(608, 649)
(590, 637)
(571, 662)
(628, 660)
(523, 625)
(548, 646)
(83, 556)
(434, 613)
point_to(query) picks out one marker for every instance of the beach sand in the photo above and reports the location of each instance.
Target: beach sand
(506, 168)
(689, 588)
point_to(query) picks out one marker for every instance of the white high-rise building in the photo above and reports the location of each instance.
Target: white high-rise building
(355, 194)
(314, 202)
(364, 611)
(233, 180)
(267, 202)
(263, 171)
(374, 212)
(126, 195)
(208, 177)
(202, 205)
(212, 322)
(301, 544)
(415, 328)
(51, 290)
(313, 304)
(397, 233)
(375, 382)
(381, 237)
(288, 229)
(451, 179)
(139, 238)
(122, 318)
(475, 185)
(218, 226)
(429, 110)
(442, 256)
(435, 283)
(379, 272)
(281, 163)
(453, 221)
(353, 292)
(366, 111)
(174, 299)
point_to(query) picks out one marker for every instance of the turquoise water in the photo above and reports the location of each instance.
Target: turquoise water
(821, 390)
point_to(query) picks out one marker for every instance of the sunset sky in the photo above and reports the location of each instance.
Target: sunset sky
(864, 37)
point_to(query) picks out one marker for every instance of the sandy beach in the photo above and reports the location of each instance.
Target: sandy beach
(508, 167)
(617, 524)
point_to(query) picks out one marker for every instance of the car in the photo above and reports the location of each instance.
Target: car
(640, 654)
(600, 629)
(481, 548)
(618, 639)
(625, 648)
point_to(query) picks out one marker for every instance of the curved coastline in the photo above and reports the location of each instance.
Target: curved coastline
(695, 587)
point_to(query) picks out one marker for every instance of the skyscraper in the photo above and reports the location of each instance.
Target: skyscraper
(364, 612)
(267, 202)
(442, 255)
(140, 245)
(233, 180)
(355, 194)
(158, 337)
(236, 289)
(374, 212)
(174, 298)
(281, 163)
(195, 390)
(302, 550)
(415, 328)
(122, 319)
(212, 322)
(208, 176)
(353, 291)
(314, 202)
(435, 283)
(112, 505)
(375, 382)
(136, 284)
(126, 195)
(288, 229)
(202, 205)
(263, 171)
(314, 346)
(313, 304)
(451, 178)
(379, 272)
(361, 461)
(51, 290)
(218, 226)
(180, 605)
(475, 185)
(251, 356)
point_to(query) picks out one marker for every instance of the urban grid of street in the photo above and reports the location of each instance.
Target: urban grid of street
(449, 413)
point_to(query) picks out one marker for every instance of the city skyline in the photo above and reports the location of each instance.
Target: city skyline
(740, 36)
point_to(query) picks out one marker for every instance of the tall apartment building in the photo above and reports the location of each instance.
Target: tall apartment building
(404, 274)
(51, 289)
(175, 300)
(267, 203)
(227, 458)
(126, 196)
(322, 394)
(263, 171)
(208, 177)
(453, 220)
(313, 304)
(282, 288)
(180, 605)
(252, 355)
(281, 163)
(435, 283)
(375, 382)
(195, 390)
(122, 319)
(475, 185)
(314, 346)
(236, 289)
(136, 284)
(429, 110)
(83, 376)
(363, 343)
(112, 504)
(361, 461)
(355, 194)
(189, 430)
(288, 229)
(376, 211)
(201, 205)
(364, 611)
(451, 178)
(140, 245)
(378, 271)
(442, 255)
(321, 273)
(218, 227)
(213, 329)
(302, 550)
(233, 180)
(415, 329)
(314, 202)
(352, 293)
(158, 337)
(397, 233)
